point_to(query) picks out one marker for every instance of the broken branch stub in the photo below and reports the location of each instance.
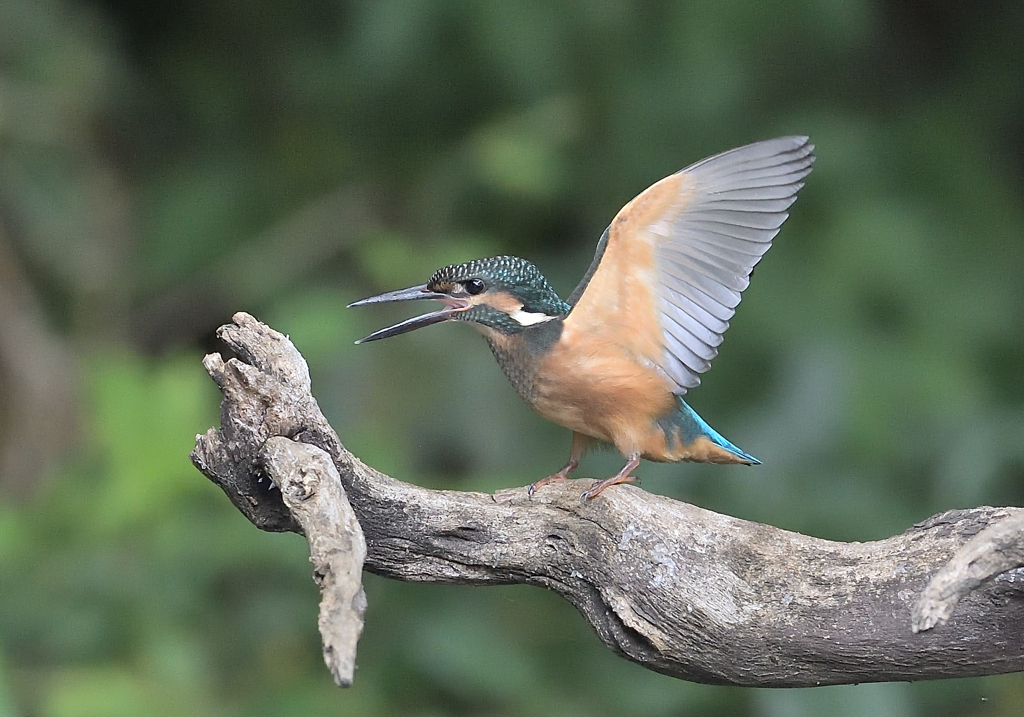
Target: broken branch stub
(312, 490)
(996, 550)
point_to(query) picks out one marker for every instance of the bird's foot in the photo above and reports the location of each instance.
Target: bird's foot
(622, 476)
(607, 482)
(556, 478)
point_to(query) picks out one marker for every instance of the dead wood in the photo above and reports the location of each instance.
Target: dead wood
(678, 589)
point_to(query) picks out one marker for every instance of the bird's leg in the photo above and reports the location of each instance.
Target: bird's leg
(579, 445)
(561, 475)
(622, 476)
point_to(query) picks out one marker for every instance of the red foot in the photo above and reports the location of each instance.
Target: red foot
(559, 476)
(622, 476)
(606, 483)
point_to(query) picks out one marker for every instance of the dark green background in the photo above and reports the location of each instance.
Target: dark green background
(163, 165)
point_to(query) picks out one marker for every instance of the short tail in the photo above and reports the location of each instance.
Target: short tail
(701, 428)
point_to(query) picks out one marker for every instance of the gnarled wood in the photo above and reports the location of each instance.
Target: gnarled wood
(997, 550)
(678, 589)
(312, 490)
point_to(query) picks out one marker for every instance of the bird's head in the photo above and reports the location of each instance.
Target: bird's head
(503, 293)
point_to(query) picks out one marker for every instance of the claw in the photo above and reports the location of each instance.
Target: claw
(622, 476)
(561, 475)
(532, 488)
(606, 483)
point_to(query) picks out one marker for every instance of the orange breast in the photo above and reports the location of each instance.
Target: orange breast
(597, 388)
(601, 378)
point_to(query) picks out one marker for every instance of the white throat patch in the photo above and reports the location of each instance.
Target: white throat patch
(529, 318)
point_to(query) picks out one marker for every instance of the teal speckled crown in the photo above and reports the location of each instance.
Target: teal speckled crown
(510, 274)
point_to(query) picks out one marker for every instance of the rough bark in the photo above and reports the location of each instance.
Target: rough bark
(678, 589)
(997, 551)
(311, 489)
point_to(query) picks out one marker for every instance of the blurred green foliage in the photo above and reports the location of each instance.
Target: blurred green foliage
(163, 165)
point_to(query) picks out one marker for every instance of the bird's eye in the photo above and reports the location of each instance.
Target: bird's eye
(474, 286)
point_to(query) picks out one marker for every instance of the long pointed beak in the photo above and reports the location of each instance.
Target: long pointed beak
(413, 293)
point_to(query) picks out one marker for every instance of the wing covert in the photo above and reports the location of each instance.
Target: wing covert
(671, 267)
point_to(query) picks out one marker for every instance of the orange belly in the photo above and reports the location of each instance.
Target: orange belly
(604, 393)
(597, 388)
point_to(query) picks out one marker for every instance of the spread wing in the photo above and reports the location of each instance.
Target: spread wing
(670, 268)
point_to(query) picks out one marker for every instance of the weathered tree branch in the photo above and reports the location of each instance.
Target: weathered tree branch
(678, 589)
(312, 490)
(996, 550)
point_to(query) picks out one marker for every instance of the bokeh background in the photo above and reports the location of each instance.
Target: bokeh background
(163, 165)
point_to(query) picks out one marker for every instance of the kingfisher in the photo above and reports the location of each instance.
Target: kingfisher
(613, 361)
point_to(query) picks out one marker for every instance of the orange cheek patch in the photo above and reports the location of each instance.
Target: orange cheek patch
(502, 302)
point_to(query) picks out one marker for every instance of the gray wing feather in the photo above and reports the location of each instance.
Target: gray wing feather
(705, 256)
